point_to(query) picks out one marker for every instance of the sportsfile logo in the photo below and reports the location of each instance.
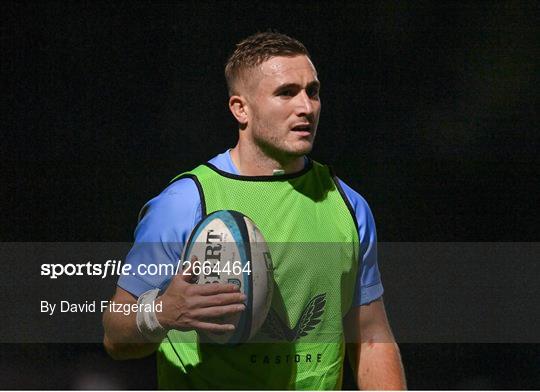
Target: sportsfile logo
(109, 268)
(118, 268)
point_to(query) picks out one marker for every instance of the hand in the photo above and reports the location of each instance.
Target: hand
(189, 306)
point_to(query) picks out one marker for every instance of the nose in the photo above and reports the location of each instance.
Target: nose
(305, 105)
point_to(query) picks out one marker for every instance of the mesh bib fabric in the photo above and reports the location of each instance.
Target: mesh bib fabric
(313, 240)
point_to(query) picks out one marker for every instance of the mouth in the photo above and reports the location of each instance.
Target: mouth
(302, 128)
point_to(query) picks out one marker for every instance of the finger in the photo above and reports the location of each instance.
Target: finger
(218, 311)
(211, 327)
(201, 301)
(217, 288)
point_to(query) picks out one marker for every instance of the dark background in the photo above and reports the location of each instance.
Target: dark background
(429, 111)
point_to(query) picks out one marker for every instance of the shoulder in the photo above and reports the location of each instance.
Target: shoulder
(170, 215)
(357, 201)
(369, 286)
(362, 211)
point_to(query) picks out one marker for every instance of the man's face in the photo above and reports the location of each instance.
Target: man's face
(284, 106)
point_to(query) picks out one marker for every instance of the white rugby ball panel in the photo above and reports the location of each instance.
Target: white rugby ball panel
(229, 236)
(261, 276)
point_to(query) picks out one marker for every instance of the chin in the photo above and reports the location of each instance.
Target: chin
(287, 150)
(301, 148)
(302, 152)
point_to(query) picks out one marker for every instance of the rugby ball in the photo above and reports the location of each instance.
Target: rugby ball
(229, 248)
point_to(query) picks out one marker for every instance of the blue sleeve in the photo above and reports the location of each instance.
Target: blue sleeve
(368, 284)
(164, 226)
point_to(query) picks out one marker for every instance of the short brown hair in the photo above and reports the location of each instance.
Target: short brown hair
(255, 50)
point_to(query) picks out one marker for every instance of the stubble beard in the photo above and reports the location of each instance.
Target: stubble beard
(277, 149)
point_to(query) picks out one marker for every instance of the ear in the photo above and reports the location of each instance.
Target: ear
(239, 109)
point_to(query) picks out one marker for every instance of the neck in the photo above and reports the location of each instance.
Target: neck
(252, 161)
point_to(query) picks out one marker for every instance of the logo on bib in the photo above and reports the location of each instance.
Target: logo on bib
(311, 316)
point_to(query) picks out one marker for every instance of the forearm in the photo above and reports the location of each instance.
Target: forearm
(184, 307)
(373, 353)
(379, 367)
(122, 338)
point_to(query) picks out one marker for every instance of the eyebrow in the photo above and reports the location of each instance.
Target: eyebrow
(314, 83)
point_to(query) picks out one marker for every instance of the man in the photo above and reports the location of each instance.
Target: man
(326, 258)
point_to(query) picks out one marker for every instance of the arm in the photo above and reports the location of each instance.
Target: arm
(373, 352)
(122, 339)
(164, 225)
(185, 307)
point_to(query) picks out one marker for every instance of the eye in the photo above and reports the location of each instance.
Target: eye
(286, 93)
(312, 92)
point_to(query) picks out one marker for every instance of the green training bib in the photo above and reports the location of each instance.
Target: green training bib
(313, 239)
